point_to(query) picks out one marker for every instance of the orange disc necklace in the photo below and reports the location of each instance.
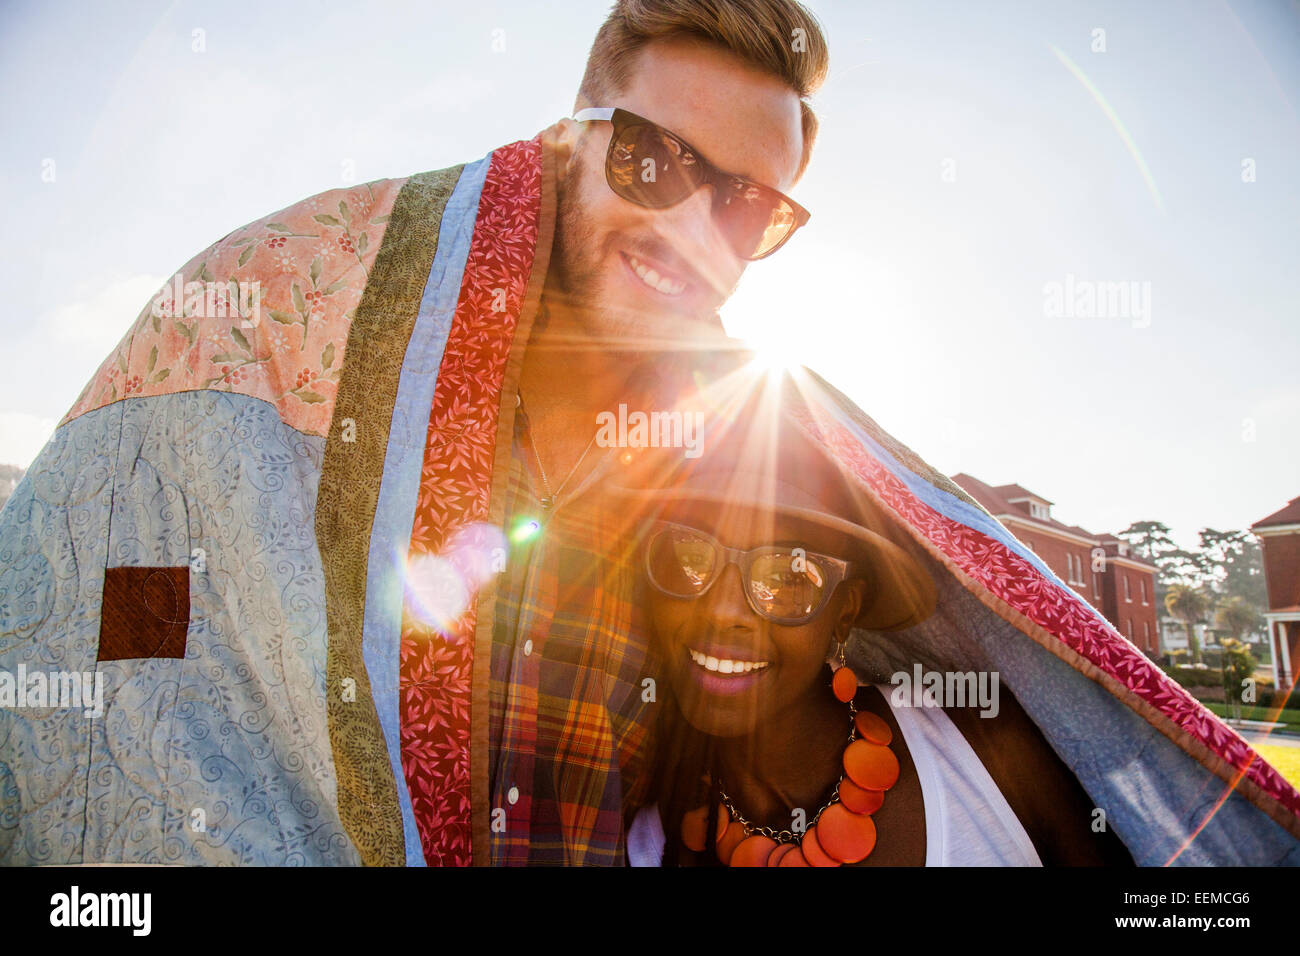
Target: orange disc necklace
(841, 832)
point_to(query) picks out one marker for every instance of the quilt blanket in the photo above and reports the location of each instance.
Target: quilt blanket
(206, 650)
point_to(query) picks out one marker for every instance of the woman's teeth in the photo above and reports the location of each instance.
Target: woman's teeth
(654, 280)
(725, 666)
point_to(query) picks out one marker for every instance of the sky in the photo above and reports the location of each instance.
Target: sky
(990, 179)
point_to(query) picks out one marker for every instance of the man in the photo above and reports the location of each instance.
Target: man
(628, 282)
(269, 529)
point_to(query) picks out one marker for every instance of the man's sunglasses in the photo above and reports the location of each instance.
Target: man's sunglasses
(785, 585)
(648, 165)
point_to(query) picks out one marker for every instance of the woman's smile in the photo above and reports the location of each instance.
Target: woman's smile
(725, 671)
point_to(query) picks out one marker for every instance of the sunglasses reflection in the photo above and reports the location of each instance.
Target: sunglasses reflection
(654, 168)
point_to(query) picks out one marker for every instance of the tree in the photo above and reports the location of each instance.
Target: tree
(1180, 567)
(1233, 560)
(1237, 617)
(1150, 539)
(1189, 605)
(1231, 572)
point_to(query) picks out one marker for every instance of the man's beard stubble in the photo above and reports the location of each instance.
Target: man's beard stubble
(575, 279)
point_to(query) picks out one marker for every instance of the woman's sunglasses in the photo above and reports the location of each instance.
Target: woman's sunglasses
(648, 165)
(785, 585)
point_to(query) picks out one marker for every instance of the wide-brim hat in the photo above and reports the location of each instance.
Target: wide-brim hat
(757, 457)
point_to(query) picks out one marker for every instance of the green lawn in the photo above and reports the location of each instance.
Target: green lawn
(1285, 759)
(1291, 718)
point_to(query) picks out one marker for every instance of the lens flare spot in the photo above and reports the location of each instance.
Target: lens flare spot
(525, 530)
(440, 587)
(436, 592)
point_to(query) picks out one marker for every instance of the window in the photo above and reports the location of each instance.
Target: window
(1146, 634)
(1143, 583)
(1128, 590)
(1128, 628)
(1037, 510)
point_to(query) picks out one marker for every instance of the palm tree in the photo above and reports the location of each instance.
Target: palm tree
(1189, 605)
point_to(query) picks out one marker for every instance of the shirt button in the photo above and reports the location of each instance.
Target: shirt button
(528, 647)
(513, 796)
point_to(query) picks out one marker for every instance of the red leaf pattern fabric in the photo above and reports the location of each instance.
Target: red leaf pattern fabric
(1059, 611)
(437, 663)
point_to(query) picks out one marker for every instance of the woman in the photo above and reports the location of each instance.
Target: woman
(759, 562)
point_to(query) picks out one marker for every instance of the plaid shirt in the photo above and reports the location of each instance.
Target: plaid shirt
(569, 726)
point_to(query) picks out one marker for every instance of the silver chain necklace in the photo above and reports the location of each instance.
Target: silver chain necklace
(548, 498)
(789, 836)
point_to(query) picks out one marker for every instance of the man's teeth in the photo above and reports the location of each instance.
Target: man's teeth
(654, 280)
(725, 666)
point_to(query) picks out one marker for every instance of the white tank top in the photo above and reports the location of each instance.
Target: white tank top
(967, 820)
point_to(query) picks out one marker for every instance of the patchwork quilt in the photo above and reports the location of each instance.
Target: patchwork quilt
(205, 655)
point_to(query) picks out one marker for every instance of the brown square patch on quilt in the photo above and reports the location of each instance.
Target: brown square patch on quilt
(146, 613)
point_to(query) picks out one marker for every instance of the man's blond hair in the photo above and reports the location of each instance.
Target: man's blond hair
(779, 37)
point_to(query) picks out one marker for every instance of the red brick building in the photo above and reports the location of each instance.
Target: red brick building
(1279, 538)
(1102, 569)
